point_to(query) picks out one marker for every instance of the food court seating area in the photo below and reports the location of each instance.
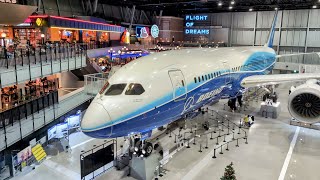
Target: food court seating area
(13, 96)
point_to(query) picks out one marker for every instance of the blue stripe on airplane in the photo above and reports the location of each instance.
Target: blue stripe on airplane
(167, 112)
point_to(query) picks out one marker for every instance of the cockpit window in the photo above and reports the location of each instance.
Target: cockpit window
(115, 89)
(104, 88)
(134, 89)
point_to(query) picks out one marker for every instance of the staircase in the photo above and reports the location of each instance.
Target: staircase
(254, 94)
(38, 152)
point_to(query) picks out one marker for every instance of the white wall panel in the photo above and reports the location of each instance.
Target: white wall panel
(221, 19)
(244, 20)
(241, 37)
(261, 37)
(295, 18)
(264, 19)
(314, 18)
(293, 38)
(313, 39)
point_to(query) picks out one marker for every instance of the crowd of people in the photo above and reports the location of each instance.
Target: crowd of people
(106, 63)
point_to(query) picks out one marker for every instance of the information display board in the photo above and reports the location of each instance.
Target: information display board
(24, 154)
(61, 130)
(73, 121)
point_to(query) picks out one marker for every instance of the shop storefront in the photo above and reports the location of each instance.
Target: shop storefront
(60, 29)
(40, 29)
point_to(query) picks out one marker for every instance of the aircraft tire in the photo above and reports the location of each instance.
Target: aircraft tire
(148, 149)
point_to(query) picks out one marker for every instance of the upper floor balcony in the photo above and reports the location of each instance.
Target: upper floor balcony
(18, 65)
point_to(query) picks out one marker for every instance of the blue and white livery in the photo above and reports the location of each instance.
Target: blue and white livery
(163, 87)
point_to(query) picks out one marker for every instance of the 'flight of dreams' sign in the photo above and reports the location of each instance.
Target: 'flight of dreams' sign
(191, 20)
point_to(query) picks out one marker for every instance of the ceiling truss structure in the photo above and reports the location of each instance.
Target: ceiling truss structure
(180, 7)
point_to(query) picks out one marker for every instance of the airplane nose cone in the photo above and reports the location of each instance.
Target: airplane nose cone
(95, 118)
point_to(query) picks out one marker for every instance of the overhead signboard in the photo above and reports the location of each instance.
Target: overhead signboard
(194, 24)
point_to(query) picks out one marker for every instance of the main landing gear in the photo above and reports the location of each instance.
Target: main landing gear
(142, 148)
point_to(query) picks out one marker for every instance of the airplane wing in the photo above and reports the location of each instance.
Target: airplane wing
(289, 55)
(261, 80)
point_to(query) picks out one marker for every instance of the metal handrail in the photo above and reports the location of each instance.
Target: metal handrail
(41, 53)
(33, 98)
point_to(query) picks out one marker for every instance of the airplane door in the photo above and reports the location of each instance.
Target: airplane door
(178, 85)
(227, 73)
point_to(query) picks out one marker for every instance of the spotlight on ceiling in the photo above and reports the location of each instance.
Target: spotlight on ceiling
(232, 2)
(220, 4)
(250, 9)
(314, 6)
(230, 7)
(276, 8)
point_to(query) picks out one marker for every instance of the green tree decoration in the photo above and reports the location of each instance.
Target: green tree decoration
(229, 173)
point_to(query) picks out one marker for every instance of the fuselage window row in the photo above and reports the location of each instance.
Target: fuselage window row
(206, 77)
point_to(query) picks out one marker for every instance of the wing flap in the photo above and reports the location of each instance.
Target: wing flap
(261, 80)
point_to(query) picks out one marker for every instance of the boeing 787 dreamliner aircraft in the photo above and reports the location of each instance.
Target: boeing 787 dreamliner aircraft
(163, 87)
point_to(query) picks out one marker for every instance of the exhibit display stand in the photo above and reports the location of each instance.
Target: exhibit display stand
(143, 168)
(269, 109)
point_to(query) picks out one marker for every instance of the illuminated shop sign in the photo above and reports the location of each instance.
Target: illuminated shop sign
(142, 32)
(155, 31)
(196, 18)
(190, 23)
(197, 31)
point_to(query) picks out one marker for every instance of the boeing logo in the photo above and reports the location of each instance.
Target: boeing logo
(209, 94)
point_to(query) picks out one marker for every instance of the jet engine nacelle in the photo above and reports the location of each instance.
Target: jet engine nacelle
(304, 102)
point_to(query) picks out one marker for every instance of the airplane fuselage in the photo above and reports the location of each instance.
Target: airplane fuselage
(176, 83)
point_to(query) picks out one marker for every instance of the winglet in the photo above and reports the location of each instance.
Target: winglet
(272, 31)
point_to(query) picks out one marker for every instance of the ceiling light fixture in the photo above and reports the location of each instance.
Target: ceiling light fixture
(250, 9)
(276, 8)
(314, 6)
(232, 2)
(230, 7)
(220, 4)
